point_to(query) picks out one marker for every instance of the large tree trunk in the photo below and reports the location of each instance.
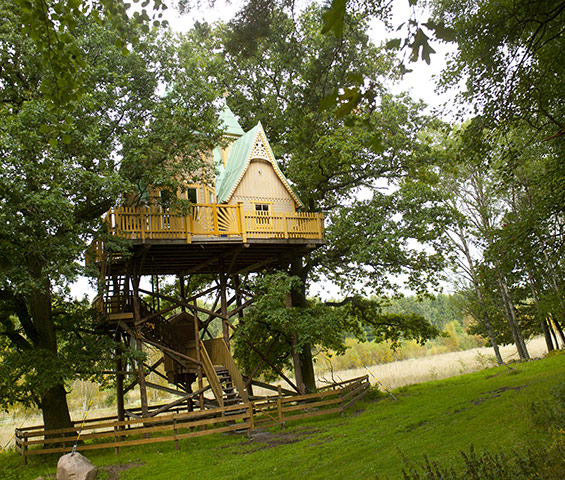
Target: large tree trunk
(511, 318)
(484, 312)
(299, 300)
(53, 401)
(54, 408)
(543, 323)
(307, 365)
(486, 321)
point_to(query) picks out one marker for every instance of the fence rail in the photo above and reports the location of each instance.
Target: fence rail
(273, 410)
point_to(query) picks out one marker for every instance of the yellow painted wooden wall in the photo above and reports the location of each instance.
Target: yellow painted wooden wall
(261, 184)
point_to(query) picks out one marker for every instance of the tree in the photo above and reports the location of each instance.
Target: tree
(281, 331)
(508, 56)
(54, 28)
(62, 170)
(502, 228)
(339, 164)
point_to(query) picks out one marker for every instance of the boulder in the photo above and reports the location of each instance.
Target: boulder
(74, 466)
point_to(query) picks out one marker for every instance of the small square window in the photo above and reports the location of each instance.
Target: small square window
(262, 207)
(191, 195)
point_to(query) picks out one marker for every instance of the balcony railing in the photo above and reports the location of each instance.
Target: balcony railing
(206, 221)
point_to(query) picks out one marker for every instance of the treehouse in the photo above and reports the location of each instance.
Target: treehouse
(242, 216)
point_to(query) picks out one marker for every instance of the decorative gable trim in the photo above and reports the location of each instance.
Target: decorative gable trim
(259, 150)
(262, 150)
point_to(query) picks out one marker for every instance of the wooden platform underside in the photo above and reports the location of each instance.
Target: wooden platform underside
(212, 255)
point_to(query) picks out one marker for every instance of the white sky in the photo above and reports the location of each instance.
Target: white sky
(420, 83)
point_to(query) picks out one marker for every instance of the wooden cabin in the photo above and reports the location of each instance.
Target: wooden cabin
(250, 198)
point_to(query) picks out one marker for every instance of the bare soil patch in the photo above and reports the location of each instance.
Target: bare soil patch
(496, 393)
(262, 439)
(115, 470)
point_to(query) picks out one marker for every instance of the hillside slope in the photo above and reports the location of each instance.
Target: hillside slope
(490, 410)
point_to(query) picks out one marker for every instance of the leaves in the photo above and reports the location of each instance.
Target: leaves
(421, 42)
(62, 168)
(333, 18)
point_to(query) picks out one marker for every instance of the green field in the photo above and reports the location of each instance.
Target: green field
(499, 410)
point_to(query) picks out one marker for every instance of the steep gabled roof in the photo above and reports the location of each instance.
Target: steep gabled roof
(229, 122)
(239, 157)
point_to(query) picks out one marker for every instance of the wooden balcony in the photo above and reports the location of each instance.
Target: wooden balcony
(207, 222)
(209, 238)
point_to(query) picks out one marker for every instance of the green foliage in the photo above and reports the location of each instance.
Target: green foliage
(276, 328)
(82, 351)
(391, 327)
(54, 27)
(64, 167)
(507, 54)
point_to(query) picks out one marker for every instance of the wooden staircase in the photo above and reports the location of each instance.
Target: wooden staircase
(217, 364)
(230, 396)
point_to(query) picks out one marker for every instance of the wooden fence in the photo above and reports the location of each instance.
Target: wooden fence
(268, 411)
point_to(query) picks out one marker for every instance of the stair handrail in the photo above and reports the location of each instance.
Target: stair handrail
(211, 375)
(234, 372)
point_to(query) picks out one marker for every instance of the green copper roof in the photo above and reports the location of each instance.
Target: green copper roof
(229, 122)
(228, 178)
(236, 165)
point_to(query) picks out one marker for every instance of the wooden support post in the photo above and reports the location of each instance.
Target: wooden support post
(224, 305)
(198, 357)
(189, 404)
(181, 291)
(120, 388)
(139, 345)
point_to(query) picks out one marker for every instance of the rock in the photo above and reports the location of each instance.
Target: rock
(75, 467)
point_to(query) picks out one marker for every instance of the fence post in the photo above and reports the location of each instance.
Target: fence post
(175, 434)
(24, 447)
(279, 407)
(251, 419)
(116, 439)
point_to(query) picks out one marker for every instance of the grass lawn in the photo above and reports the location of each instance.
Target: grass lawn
(490, 410)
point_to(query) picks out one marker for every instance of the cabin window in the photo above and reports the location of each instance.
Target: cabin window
(191, 195)
(262, 207)
(165, 198)
(262, 212)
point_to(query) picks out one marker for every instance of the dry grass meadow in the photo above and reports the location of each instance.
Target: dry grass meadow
(434, 367)
(389, 375)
